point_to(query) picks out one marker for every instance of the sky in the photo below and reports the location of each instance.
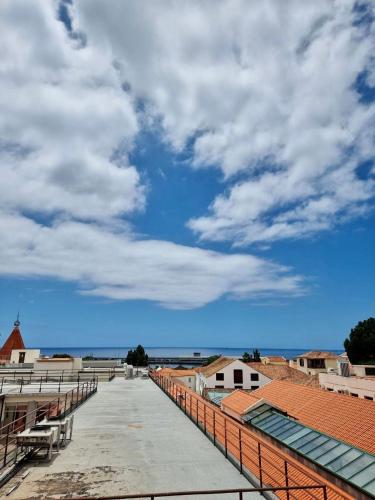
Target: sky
(187, 173)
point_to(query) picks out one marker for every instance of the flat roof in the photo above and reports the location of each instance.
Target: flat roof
(130, 438)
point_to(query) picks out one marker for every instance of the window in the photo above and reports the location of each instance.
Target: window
(220, 376)
(219, 387)
(238, 386)
(368, 397)
(254, 376)
(354, 394)
(316, 363)
(21, 357)
(301, 362)
(237, 376)
(369, 370)
(254, 387)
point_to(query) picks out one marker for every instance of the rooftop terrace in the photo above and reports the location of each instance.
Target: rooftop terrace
(130, 438)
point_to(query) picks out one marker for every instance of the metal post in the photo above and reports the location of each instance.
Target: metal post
(325, 496)
(197, 410)
(66, 400)
(40, 385)
(214, 425)
(286, 478)
(225, 437)
(240, 443)
(2, 383)
(21, 385)
(6, 446)
(204, 418)
(59, 384)
(260, 466)
(240, 495)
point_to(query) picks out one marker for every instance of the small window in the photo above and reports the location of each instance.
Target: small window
(254, 387)
(219, 387)
(301, 362)
(220, 376)
(21, 357)
(254, 376)
(238, 386)
(238, 376)
(329, 389)
(354, 395)
(368, 397)
(369, 370)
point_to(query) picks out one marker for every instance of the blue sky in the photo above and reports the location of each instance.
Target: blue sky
(173, 181)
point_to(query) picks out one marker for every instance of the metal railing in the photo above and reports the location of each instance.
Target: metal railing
(59, 407)
(248, 451)
(28, 376)
(39, 383)
(240, 492)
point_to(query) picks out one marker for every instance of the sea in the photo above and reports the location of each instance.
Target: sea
(121, 352)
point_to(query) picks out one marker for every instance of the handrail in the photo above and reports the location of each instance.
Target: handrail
(41, 382)
(60, 407)
(240, 492)
(270, 465)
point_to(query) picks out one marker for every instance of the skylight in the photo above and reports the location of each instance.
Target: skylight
(349, 463)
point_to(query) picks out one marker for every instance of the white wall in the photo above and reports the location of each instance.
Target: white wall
(58, 364)
(30, 355)
(228, 382)
(348, 385)
(189, 381)
(329, 363)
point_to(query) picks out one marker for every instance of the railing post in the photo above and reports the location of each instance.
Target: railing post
(59, 384)
(286, 478)
(214, 425)
(66, 400)
(225, 438)
(204, 418)
(40, 385)
(325, 496)
(260, 466)
(197, 412)
(185, 402)
(240, 495)
(2, 383)
(21, 385)
(240, 447)
(6, 446)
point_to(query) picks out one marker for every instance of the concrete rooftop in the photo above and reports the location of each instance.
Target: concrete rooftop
(130, 438)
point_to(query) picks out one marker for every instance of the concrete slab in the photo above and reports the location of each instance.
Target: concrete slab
(130, 438)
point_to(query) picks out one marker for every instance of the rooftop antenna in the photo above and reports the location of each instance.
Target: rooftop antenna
(17, 322)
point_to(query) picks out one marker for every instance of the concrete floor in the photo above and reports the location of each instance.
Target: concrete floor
(130, 438)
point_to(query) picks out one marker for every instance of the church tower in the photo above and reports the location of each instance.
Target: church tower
(14, 341)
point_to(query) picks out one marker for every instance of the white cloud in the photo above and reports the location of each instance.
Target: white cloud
(63, 114)
(261, 89)
(117, 266)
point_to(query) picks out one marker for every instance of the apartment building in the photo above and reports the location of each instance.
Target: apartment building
(315, 362)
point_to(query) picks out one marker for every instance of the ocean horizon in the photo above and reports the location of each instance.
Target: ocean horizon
(121, 352)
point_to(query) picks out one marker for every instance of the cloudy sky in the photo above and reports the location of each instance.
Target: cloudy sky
(187, 172)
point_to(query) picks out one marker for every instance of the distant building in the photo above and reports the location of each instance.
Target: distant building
(13, 342)
(187, 377)
(229, 373)
(315, 362)
(273, 360)
(285, 372)
(355, 380)
(58, 364)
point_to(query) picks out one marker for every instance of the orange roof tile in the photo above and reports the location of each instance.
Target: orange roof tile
(318, 355)
(216, 366)
(239, 401)
(276, 359)
(346, 418)
(281, 372)
(14, 341)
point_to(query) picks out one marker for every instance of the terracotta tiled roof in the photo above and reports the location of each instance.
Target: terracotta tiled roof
(318, 355)
(281, 372)
(239, 401)
(216, 366)
(346, 418)
(276, 359)
(14, 341)
(170, 372)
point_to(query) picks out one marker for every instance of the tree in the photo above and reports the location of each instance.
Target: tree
(210, 360)
(256, 355)
(360, 345)
(61, 355)
(138, 357)
(246, 358)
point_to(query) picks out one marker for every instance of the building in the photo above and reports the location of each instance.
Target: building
(331, 433)
(229, 373)
(355, 380)
(13, 342)
(284, 372)
(315, 362)
(187, 377)
(24, 356)
(274, 360)
(58, 364)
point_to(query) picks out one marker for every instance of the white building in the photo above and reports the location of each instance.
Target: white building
(315, 362)
(355, 380)
(229, 373)
(20, 356)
